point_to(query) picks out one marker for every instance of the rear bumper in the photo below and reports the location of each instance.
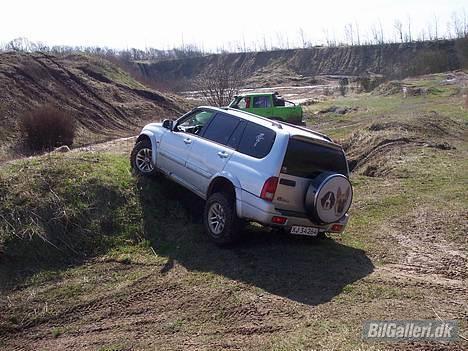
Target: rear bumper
(253, 208)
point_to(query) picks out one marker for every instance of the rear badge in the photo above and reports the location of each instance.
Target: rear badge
(279, 198)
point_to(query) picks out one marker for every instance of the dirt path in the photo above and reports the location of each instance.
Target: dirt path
(118, 146)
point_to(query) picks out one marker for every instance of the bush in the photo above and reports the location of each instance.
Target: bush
(46, 128)
(343, 83)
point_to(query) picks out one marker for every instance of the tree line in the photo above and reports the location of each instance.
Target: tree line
(403, 31)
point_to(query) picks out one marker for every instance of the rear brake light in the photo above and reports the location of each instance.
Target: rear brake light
(269, 189)
(278, 220)
(337, 228)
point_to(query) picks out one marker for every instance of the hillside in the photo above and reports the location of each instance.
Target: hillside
(304, 66)
(94, 258)
(105, 101)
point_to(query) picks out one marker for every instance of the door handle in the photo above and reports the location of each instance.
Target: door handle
(187, 140)
(223, 154)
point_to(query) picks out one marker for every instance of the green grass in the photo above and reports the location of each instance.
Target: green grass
(116, 74)
(73, 207)
(445, 100)
(67, 207)
(56, 332)
(424, 178)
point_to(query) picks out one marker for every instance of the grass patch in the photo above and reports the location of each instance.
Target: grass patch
(73, 207)
(68, 207)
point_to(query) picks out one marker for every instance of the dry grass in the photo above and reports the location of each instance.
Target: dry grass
(47, 127)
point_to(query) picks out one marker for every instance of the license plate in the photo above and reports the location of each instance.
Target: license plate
(308, 231)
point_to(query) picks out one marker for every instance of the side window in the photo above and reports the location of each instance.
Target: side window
(236, 135)
(195, 122)
(221, 128)
(261, 101)
(256, 140)
(244, 103)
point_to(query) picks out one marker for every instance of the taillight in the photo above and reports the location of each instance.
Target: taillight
(337, 228)
(269, 189)
(278, 220)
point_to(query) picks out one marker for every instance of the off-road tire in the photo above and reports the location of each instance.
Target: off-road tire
(230, 232)
(141, 145)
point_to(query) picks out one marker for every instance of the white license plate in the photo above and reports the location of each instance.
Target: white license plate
(308, 231)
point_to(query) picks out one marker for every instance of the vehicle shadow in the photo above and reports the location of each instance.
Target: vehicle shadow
(306, 270)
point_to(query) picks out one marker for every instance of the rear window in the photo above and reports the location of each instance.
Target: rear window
(308, 160)
(261, 101)
(221, 128)
(256, 140)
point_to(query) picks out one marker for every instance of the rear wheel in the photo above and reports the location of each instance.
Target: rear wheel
(141, 158)
(220, 219)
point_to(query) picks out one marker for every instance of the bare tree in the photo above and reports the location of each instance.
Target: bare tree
(219, 83)
(381, 33)
(398, 25)
(377, 33)
(358, 35)
(409, 35)
(302, 37)
(465, 24)
(348, 29)
(459, 25)
(331, 42)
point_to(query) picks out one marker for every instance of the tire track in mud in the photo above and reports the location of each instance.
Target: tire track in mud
(386, 145)
(425, 253)
(146, 310)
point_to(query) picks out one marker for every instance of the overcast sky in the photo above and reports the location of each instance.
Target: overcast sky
(209, 24)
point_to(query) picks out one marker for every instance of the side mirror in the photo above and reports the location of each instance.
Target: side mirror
(168, 124)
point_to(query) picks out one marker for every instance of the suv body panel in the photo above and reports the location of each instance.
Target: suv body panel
(196, 164)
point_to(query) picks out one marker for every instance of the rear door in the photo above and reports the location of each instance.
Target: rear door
(304, 160)
(211, 151)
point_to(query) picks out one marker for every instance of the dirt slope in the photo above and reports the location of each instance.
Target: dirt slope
(105, 101)
(304, 66)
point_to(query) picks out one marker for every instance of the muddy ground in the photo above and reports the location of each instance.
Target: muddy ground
(403, 256)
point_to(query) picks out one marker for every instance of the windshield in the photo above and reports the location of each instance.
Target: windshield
(240, 102)
(308, 160)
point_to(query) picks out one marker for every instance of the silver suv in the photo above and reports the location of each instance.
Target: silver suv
(249, 168)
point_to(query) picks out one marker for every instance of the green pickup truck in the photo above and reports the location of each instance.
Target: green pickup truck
(270, 105)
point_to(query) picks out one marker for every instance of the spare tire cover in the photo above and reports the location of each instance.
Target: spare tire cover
(329, 197)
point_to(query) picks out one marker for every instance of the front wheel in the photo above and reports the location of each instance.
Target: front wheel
(141, 158)
(220, 219)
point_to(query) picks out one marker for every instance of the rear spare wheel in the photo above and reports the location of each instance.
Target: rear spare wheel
(328, 197)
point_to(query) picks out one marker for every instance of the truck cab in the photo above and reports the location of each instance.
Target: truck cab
(270, 105)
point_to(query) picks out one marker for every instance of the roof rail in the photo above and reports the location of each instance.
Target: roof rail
(309, 130)
(274, 123)
(279, 123)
